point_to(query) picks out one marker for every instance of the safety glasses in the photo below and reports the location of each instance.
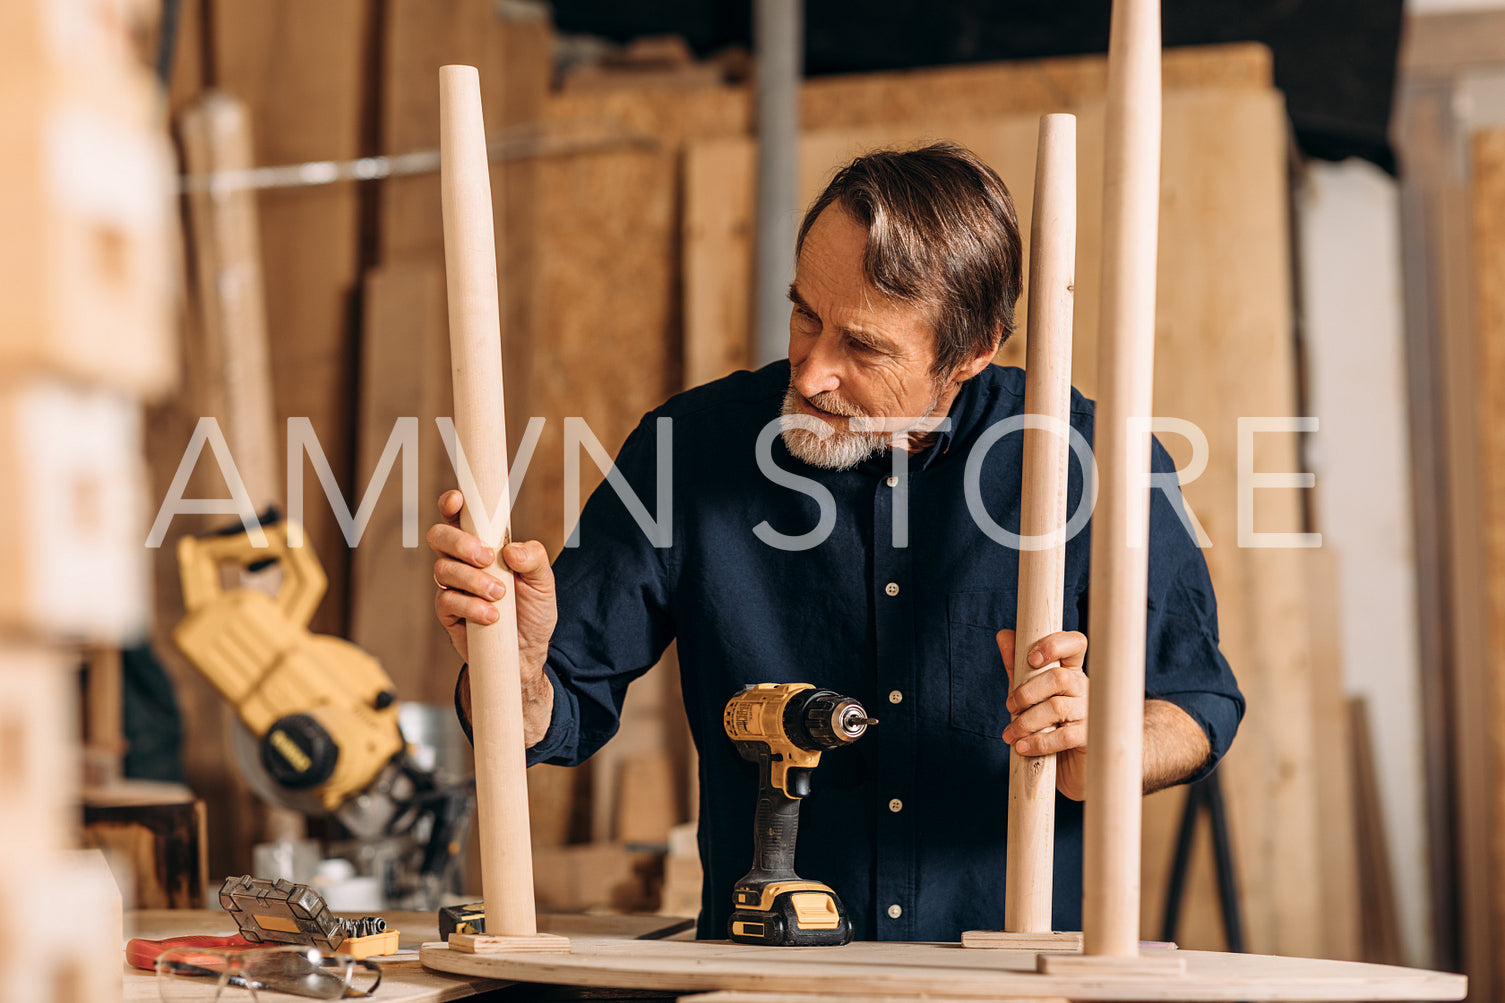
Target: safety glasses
(273, 973)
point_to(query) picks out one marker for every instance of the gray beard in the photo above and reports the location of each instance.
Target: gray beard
(843, 449)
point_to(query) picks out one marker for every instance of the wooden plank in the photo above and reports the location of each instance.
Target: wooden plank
(939, 971)
(1446, 449)
(609, 261)
(733, 996)
(1380, 929)
(386, 616)
(231, 298)
(992, 89)
(404, 375)
(274, 56)
(1337, 850)
(1439, 45)
(1487, 197)
(104, 712)
(512, 56)
(717, 250)
(1223, 331)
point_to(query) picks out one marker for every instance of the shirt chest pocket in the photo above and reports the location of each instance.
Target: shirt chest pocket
(979, 683)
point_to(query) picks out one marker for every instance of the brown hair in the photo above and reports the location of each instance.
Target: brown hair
(941, 232)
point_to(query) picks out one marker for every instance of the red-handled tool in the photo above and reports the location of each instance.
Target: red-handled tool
(144, 953)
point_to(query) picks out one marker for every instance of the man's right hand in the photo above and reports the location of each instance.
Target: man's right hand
(468, 591)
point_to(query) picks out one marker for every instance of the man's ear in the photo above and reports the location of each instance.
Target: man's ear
(974, 365)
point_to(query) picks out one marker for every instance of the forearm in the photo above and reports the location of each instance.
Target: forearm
(1175, 746)
(537, 701)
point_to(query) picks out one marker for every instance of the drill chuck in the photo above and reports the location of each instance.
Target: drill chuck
(826, 721)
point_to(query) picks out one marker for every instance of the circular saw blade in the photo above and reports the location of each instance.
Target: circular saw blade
(245, 751)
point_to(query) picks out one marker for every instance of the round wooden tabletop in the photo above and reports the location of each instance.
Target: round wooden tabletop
(938, 971)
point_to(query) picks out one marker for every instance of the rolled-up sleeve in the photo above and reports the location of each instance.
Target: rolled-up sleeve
(1183, 662)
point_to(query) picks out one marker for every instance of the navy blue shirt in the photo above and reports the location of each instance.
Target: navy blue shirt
(905, 626)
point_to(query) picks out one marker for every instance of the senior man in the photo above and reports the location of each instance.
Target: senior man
(821, 532)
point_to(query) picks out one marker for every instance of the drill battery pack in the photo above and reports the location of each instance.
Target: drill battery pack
(790, 914)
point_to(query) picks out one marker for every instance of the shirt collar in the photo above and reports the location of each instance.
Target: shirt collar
(966, 411)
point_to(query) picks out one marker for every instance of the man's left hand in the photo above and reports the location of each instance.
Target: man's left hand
(1049, 709)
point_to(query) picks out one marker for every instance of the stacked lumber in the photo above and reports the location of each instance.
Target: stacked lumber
(85, 339)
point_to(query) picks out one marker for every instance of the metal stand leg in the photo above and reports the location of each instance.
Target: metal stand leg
(1206, 793)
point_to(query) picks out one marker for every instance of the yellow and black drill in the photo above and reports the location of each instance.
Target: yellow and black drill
(784, 727)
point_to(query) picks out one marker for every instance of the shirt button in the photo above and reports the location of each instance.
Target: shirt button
(892, 482)
(894, 912)
(895, 805)
(894, 696)
(892, 588)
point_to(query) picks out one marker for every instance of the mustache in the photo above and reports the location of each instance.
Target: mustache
(828, 401)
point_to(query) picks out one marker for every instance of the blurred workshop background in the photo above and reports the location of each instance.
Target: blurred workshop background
(229, 209)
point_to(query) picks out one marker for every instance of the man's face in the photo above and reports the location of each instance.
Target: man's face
(854, 352)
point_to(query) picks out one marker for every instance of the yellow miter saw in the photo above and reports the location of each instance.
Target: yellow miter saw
(323, 712)
(318, 717)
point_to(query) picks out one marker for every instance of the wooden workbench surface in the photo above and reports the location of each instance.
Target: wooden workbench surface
(404, 980)
(939, 971)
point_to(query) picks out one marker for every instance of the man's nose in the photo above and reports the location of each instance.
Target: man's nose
(819, 370)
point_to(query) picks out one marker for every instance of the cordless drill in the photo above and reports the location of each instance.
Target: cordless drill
(784, 727)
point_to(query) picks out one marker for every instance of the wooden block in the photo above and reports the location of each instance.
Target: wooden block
(158, 832)
(79, 51)
(71, 493)
(1148, 966)
(483, 943)
(1105, 966)
(683, 874)
(1053, 941)
(61, 929)
(88, 255)
(37, 740)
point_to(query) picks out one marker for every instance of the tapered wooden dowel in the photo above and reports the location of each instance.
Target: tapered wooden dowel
(1126, 347)
(1042, 518)
(476, 357)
